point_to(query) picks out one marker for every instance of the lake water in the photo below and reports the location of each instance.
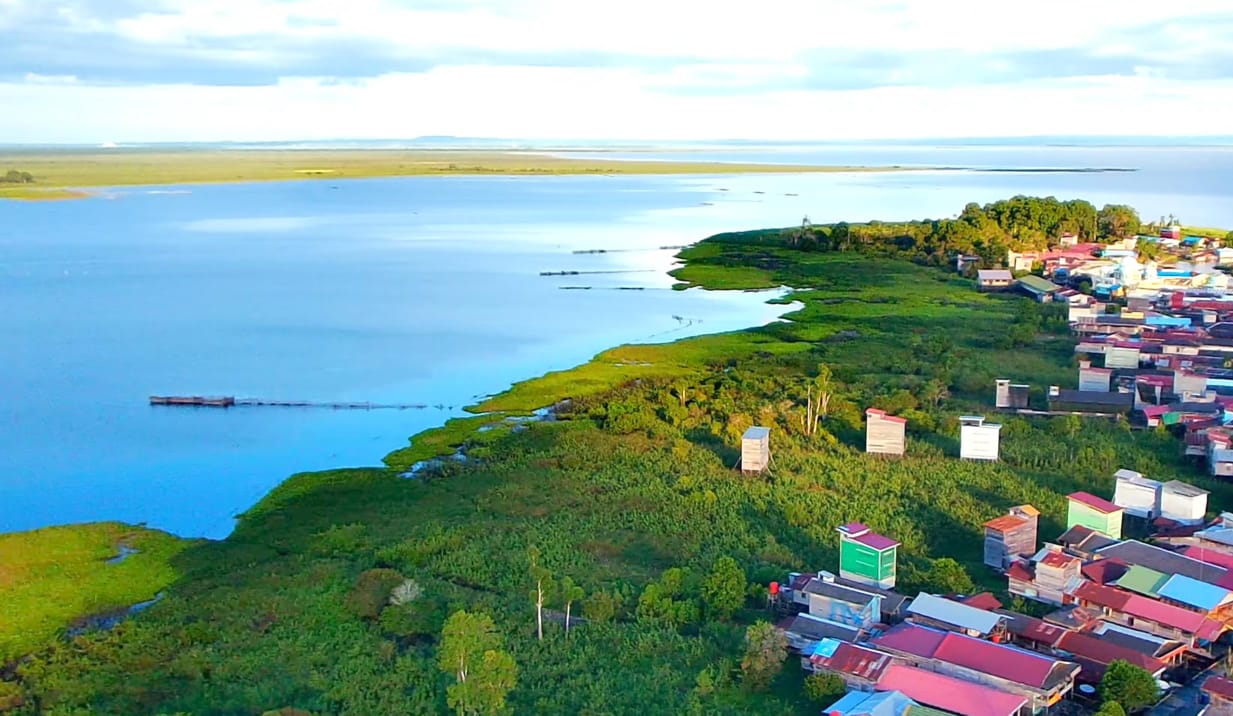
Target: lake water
(418, 290)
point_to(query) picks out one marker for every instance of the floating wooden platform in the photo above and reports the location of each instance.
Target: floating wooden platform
(229, 401)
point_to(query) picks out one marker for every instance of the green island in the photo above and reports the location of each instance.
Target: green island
(65, 174)
(365, 591)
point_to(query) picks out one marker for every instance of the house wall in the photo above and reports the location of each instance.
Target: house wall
(1121, 357)
(1094, 380)
(979, 442)
(755, 454)
(1183, 508)
(837, 610)
(1078, 513)
(884, 437)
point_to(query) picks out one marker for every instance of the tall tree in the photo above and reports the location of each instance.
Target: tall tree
(1118, 221)
(570, 593)
(723, 591)
(766, 648)
(1132, 687)
(817, 399)
(542, 591)
(483, 674)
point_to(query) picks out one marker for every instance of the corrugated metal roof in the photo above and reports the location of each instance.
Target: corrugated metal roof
(1162, 560)
(994, 275)
(876, 541)
(847, 658)
(911, 639)
(1192, 592)
(1006, 523)
(1219, 686)
(1210, 556)
(1097, 503)
(955, 695)
(1005, 662)
(954, 614)
(1105, 652)
(1142, 580)
(1184, 489)
(756, 433)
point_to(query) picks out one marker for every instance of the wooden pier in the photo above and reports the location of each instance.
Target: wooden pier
(229, 401)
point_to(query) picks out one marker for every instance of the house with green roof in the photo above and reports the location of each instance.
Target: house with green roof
(1038, 288)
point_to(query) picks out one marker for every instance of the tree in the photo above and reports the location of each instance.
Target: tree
(372, 592)
(946, 576)
(484, 675)
(934, 392)
(570, 593)
(1111, 708)
(1130, 686)
(1118, 221)
(1228, 239)
(817, 399)
(542, 591)
(824, 687)
(766, 648)
(602, 606)
(723, 592)
(664, 602)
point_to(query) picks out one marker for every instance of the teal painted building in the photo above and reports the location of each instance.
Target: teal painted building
(867, 557)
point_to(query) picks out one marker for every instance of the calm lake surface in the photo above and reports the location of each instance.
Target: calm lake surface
(418, 290)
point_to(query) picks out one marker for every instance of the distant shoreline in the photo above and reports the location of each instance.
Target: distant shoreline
(71, 173)
(65, 174)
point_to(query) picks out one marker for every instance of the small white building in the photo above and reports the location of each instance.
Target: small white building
(756, 449)
(1182, 502)
(1136, 494)
(978, 440)
(1094, 380)
(884, 434)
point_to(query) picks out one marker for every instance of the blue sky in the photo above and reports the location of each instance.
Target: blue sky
(180, 70)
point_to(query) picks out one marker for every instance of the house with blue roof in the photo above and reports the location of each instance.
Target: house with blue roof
(882, 703)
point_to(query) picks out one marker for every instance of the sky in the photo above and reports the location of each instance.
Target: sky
(96, 71)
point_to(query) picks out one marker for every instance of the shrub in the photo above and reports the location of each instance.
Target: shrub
(372, 592)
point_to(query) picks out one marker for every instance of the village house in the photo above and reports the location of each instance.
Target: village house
(803, 631)
(955, 696)
(1094, 656)
(1049, 577)
(859, 667)
(1137, 495)
(1011, 536)
(1081, 401)
(1039, 289)
(994, 279)
(940, 613)
(978, 440)
(1219, 693)
(1183, 503)
(1010, 395)
(1095, 513)
(867, 557)
(1168, 651)
(884, 434)
(822, 597)
(1145, 614)
(1084, 542)
(1094, 380)
(881, 703)
(1163, 560)
(1042, 679)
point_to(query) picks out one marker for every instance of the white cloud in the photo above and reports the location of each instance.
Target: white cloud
(634, 69)
(555, 103)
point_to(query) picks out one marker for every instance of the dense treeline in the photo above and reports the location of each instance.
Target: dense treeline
(341, 592)
(1021, 223)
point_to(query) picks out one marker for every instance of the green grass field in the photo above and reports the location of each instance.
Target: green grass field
(74, 169)
(53, 576)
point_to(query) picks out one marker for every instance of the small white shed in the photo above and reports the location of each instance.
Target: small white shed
(756, 449)
(1182, 502)
(978, 440)
(1136, 494)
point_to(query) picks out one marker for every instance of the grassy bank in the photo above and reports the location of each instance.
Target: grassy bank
(634, 482)
(52, 577)
(120, 167)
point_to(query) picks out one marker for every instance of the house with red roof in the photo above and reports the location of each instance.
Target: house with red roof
(950, 694)
(1094, 655)
(1043, 680)
(859, 667)
(1149, 615)
(1095, 513)
(1219, 692)
(1050, 576)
